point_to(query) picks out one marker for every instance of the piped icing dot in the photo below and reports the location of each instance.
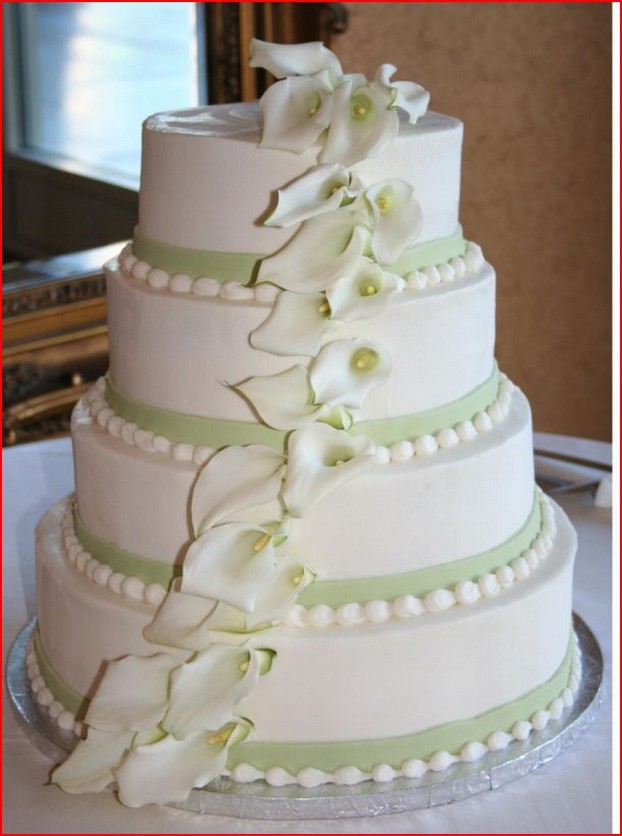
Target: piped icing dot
(417, 280)
(278, 777)
(382, 455)
(467, 593)
(180, 283)
(205, 287)
(115, 582)
(401, 451)
(157, 278)
(459, 266)
(556, 708)
(439, 599)
(349, 614)
(473, 751)
(446, 272)
(382, 773)
(521, 568)
(505, 576)
(498, 741)
(540, 720)
(244, 773)
(154, 594)
(466, 431)
(482, 422)
(378, 611)
(414, 768)
(531, 558)
(522, 729)
(66, 720)
(133, 588)
(140, 269)
(321, 615)
(489, 585)
(433, 275)
(347, 776)
(407, 606)
(101, 574)
(310, 777)
(440, 761)
(425, 445)
(447, 438)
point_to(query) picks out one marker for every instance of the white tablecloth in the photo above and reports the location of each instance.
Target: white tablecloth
(570, 794)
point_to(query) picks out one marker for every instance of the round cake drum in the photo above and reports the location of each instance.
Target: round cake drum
(260, 801)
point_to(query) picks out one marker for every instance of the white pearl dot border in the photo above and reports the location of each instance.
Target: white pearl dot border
(44, 698)
(141, 271)
(422, 446)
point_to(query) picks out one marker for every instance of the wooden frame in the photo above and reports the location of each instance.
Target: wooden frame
(230, 27)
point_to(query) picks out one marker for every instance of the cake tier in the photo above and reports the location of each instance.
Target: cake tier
(176, 352)
(206, 185)
(415, 673)
(440, 506)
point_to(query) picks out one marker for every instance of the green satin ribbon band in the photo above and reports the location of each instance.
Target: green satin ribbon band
(364, 754)
(242, 267)
(66, 696)
(127, 563)
(218, 433)
(337, 592)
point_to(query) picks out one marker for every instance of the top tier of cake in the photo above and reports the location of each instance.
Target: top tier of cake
(206, 185)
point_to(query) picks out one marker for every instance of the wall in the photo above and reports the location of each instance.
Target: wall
(531, 81)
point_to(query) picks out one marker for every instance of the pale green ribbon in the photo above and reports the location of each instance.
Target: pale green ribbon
(242, 267)
(218, 433)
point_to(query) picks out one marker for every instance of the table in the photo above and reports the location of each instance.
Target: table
(570, 794)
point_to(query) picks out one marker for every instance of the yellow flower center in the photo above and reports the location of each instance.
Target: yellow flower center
(365, 360)
(261, 543)
(324, 308)
(369, 290)
(245, 665)
(297, 579)
(385, 200)
(361, 106)
(221, 737)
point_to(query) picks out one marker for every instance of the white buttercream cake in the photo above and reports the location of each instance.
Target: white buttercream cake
(306, 545)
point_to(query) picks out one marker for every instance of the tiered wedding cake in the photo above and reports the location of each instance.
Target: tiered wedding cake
(306, 543)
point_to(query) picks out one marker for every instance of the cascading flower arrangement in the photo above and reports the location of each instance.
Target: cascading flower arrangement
(160, 725)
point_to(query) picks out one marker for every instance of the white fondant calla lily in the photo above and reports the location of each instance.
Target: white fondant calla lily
(320, 458)
(190, 622)
(168, 769)
(295, 325)
(205, 691)
(283, 60)
(408, 96)
(324, 249)
(397, 219)
(284, 400)
(345, 371)
(235, 479)
(296, 111)
(363, 294)
(133, 694)
(89, 768)
(362, 124)
(322, 189)
(232, 563)
(278, 598)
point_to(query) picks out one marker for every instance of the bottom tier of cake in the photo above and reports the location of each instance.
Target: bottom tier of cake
(403, 692)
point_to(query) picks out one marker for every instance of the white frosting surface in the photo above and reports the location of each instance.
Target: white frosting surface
(206, 185)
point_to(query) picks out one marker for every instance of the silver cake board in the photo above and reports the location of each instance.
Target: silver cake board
(258, 800)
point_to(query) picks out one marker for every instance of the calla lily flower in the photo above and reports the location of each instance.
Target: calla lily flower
(345, 371)
(168, 769)
(324, 248)
(365, 293)
(89, 768)
(205, 691)
(133, 694)
(284, 401)
(322, 189)
(232, 563)
(191, 622)
(314, 94)
(408, 96)
(362, 124)
(234, 479)
(148, 705)
(295, 325)
(320, 459)
(397, 219)
(283, 60)
(296, 111)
